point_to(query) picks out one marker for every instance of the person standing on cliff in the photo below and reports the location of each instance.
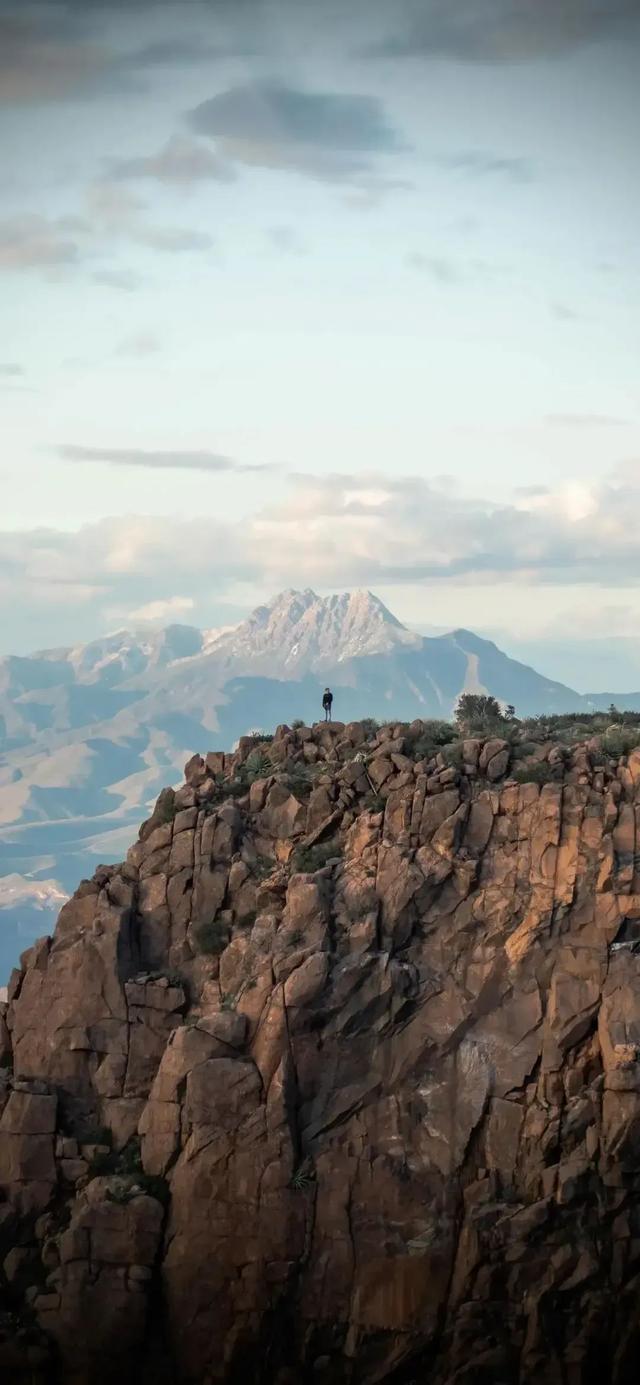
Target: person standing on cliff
(327, 703)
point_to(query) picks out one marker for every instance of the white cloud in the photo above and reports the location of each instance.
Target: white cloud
(335, 531)
(158, 611)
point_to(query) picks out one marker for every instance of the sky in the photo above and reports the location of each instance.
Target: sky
(308, 293)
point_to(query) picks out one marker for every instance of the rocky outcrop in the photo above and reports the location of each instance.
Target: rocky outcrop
(336, 1078)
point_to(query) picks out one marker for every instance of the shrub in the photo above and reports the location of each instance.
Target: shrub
(297, 725)
(370, 726)
(212, 937)
(478, 712)
(300, 776)
(126, 1162)
(523, 749)
(236, 788)
(539, 772)
(258, 765)
(619, 740)
(453, 754)
(96, 1135)
(311, 858)
(303, 1178)
(165, 809)
(434, 733)
(262, 867)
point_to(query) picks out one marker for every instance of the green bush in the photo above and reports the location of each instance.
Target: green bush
(236, 788)
(297, 725)
(125, 1162)
(258, 765)
(375, 803)
(433, 736)
(96, 1135)
(304, 1177)
(523, 749)
(539, 772)
(478, 712)
(164, 811)
(308, 859)
(619, 740)
(262, 867)
(211, 938)
(370, 726)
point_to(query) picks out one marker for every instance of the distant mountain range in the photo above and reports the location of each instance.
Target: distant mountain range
(89, 735)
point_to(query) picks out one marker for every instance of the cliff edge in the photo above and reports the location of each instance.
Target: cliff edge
(336, 1079)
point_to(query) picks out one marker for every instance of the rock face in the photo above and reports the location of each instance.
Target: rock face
(336, 1078)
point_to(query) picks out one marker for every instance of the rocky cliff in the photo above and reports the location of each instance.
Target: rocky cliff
(336, 1079)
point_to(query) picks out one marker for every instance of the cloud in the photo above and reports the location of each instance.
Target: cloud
(286, 240)
(155, 461)
(482, 163)
(329, 136)
(504, 31)
(123, 279)
(117, 213)
(563, 313)
(332, 531)
(61, 55)
(37, 242)
(181, 161)
(10, 370)
(159, 611)
(173, 240)
(40, 61)
(139, 345)
(585, 421)
(49, 244)
(438, 267)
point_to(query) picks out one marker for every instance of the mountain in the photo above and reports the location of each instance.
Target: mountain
(330, 1086)
(89, 734)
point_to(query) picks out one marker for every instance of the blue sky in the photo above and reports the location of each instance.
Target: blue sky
(330, 295)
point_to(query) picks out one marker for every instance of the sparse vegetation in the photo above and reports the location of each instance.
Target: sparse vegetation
(311, 858)
(478, 713)
(538, 772)
(303, 1177)
(375, 803)
(212, 937)
(435, 736)
(453, 754)
(619, 740)
(126, 1161)
(262, 867)
(258, 765)
(96, 1135)
(165, 809)
(297, 725)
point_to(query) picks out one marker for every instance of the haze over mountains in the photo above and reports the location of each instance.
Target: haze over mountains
(89, 735)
